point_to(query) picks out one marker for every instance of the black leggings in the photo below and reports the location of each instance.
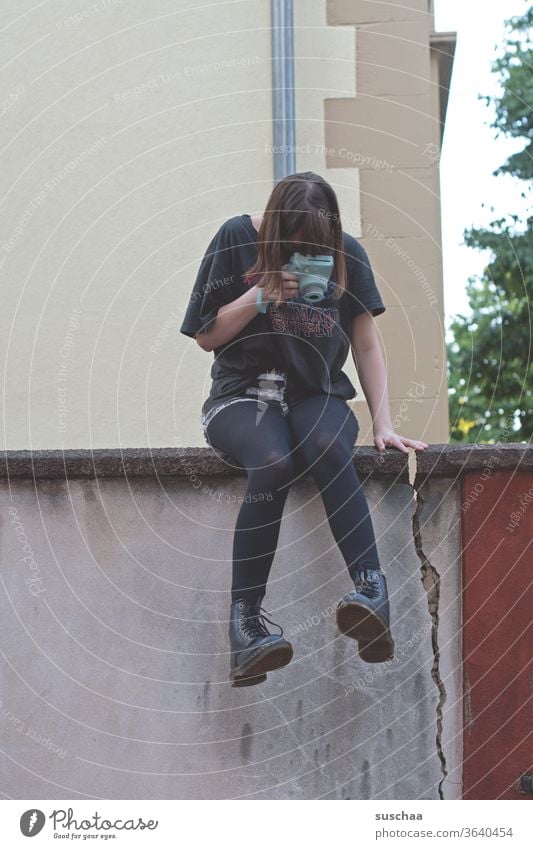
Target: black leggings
(318, 434)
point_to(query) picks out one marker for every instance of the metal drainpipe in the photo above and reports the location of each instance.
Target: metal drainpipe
(283, 112)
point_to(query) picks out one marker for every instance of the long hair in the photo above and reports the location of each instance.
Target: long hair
(302, 214)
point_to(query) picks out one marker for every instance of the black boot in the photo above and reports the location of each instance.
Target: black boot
(364, 615)
(254, 650)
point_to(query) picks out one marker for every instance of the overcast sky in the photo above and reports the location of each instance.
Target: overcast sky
(471, 151)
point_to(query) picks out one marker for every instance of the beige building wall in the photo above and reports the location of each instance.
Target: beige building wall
(134, 130)
(131, 132)
(390, 131)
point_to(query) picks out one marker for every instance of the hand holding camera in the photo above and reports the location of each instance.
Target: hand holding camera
(303, 276)
(312, 273)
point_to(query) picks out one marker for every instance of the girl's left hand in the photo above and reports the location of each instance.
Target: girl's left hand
(385, 437)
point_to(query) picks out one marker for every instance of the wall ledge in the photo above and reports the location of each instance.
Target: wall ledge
(440, 459)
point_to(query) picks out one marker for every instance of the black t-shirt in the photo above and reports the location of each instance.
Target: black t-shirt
(308, 343)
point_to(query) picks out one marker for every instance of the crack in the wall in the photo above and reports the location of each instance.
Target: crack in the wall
(431, 584)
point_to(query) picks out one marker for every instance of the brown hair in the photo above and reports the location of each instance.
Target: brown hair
(302, 214)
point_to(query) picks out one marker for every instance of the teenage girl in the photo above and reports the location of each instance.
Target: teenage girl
(278, 404)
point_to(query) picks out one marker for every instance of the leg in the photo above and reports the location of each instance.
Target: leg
(257, 436)
(324, 430)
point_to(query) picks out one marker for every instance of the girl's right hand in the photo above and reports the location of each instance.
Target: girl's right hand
(290, 287)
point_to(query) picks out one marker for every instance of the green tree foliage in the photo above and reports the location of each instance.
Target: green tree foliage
(490, 358)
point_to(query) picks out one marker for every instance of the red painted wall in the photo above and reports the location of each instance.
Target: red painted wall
(497, 530)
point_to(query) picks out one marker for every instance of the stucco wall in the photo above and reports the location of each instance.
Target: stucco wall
(134, 129)
(389, 131)
(114, 655)
(130, 132)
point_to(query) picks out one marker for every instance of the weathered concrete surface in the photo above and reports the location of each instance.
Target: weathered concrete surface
(114, 653)
(438, 460)
(167, 462)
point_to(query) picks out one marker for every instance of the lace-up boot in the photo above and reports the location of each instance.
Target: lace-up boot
(364, 615)
(254, 650)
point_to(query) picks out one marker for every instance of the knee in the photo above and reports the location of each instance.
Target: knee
(279, 464)
(277, 468)
(328, 448)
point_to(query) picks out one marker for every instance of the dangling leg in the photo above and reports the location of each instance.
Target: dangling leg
(324, 431)
(257, 436)
(260, 443)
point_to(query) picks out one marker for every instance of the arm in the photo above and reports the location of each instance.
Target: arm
(232, 317)
(219, 306)
(230, 320)
(370, 365)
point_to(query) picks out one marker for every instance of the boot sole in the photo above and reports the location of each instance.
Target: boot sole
(375, 641)
(270, 658)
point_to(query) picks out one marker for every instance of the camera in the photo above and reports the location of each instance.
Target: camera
(313, 274)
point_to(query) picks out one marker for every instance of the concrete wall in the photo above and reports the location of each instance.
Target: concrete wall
(114, 655)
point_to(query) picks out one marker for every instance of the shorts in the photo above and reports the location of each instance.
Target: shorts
(270, 388)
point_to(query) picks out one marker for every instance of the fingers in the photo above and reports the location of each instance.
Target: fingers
(412, 443)
(288, 275)
(290, 290)
(402, 443)
(399, 444)
(290, 284)
(416, 444)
